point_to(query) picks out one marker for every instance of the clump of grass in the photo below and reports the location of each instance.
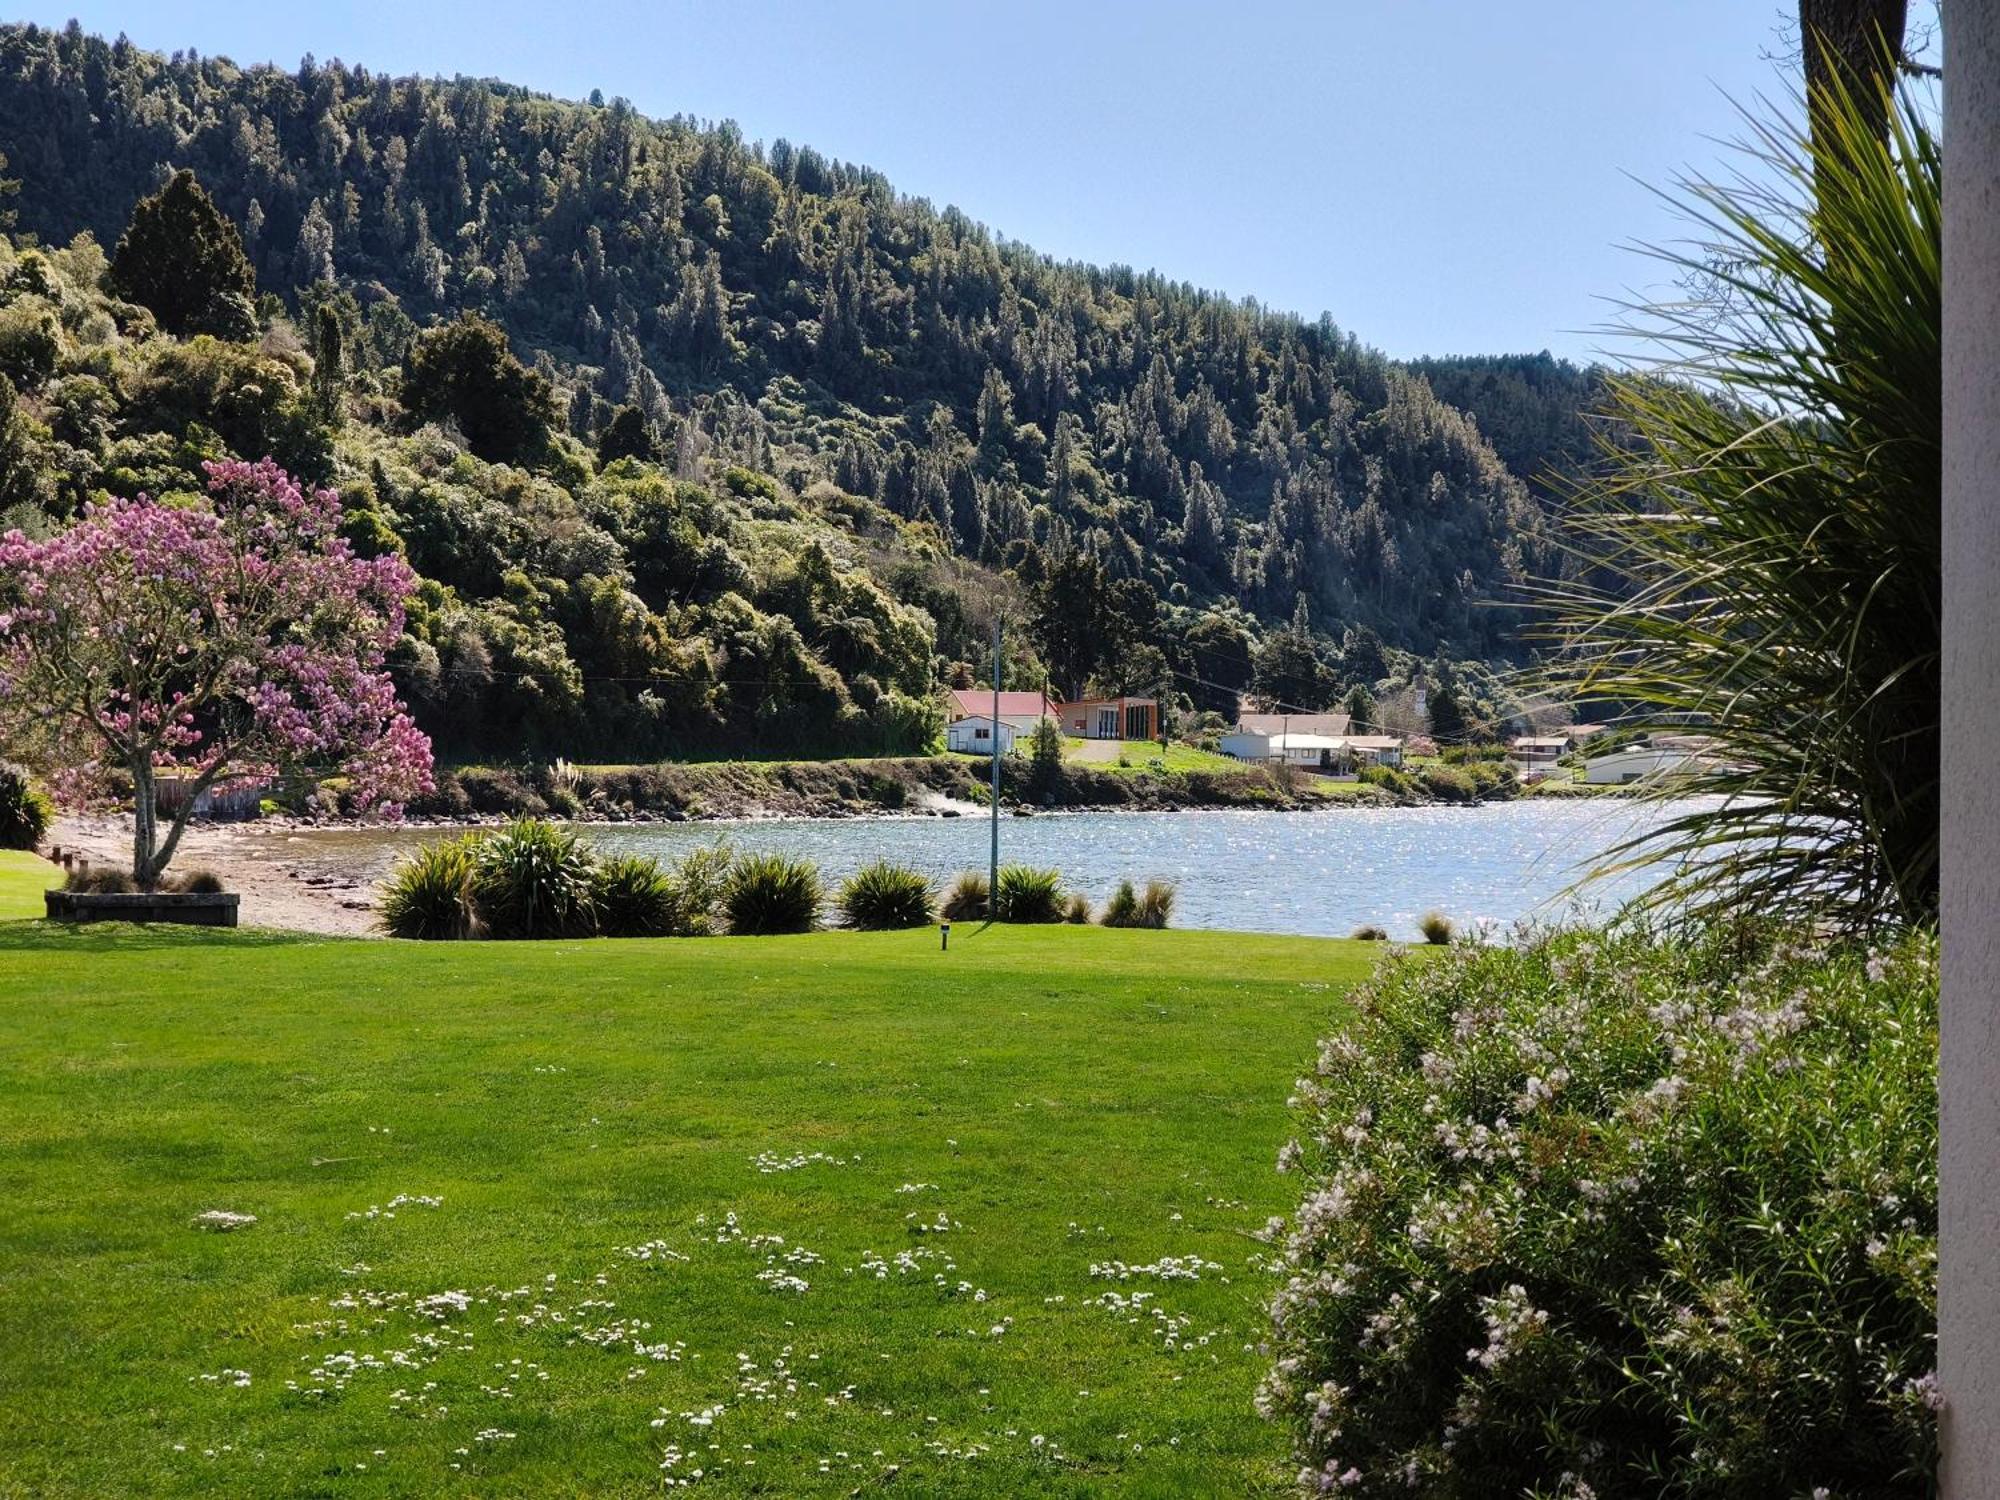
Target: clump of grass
(881, 897)
(1368, 932)
(700, 880)
(969, 899)
(1156, 906)
(634, 897)
(197, 883)
(101, 880)
(1028, 895)
(770, 893)
(428, 896)
(1077, 912)
(534, 880)
(1436, 927)
(1122, 910)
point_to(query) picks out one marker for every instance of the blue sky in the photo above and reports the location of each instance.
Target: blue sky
(1442, 176)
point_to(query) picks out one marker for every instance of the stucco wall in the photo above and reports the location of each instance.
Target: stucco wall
(1969, 1083)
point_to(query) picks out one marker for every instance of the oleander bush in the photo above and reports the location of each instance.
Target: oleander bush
(970, 898)
(532, 879)
(25, 809)
(633, 897)
(771, 893)
(1621, 1216)
(880, 897)
(1026, 894)
(428, 895)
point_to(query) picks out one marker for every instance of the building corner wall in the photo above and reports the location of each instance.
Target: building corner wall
(1969, 1060)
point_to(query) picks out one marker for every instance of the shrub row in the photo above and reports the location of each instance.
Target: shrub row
(535, 879)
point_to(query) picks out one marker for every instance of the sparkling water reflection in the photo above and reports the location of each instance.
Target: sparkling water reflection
(1316, 873)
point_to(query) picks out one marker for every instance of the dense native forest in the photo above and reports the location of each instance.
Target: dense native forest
(702, 444)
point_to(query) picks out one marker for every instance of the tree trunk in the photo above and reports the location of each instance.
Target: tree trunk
(144, 825)
(1858, 42)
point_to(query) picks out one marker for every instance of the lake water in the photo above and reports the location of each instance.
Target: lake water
(1317, 873)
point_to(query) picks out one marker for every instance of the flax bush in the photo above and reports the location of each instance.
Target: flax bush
(881, 896)
(534, 880)
(428, 896)
(633, 897)
(1618, 1216)
(1026, 894)
(768, 893)
(25, 809)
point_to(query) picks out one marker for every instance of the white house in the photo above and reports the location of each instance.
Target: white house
(1375, 749)
(974, 734)
(1537, 754)
(1333, 723)
(1334, 752)
(1020, 712)
(1638, 763)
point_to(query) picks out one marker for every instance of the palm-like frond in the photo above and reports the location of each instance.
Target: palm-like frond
(1760, 559)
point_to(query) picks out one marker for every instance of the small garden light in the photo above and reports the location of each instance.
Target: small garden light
(944, 936)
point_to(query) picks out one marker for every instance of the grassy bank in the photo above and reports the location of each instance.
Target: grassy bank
(23, 878)
(947, 1144)
(1186, 778)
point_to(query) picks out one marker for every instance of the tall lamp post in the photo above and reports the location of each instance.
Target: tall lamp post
(993, 854)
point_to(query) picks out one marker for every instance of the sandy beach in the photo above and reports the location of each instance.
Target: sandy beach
(275, 893)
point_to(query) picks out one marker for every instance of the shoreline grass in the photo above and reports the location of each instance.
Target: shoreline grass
(1056, 1099)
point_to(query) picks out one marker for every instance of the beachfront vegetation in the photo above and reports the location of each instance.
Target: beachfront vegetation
(1764, 559)
(1129, 908)
(1658, 1216)
(1026, 894)
(881, 896)
(772, 893)
(25, 809)
(533, 879)
(631, 896)
(969, 899)
(838, 1204)
(428, 896)
(1436, 927)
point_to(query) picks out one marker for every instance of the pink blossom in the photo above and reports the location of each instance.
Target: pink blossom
(214, 642)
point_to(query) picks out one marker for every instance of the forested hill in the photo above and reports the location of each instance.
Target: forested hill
(770, 308)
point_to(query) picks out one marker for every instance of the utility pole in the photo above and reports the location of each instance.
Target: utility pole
(993, 860)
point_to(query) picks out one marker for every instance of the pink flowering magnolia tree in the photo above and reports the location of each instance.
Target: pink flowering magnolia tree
(212, 643)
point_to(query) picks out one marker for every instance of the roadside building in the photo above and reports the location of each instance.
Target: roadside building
(1111, 718)
(1020, 712)
(975, 734)
(1537, 754)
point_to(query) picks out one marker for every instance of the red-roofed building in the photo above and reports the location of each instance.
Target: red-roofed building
(1019, 711)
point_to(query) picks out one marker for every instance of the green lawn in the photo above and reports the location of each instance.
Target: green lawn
(23, 878)
(611, 1156)
(1139, 755)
